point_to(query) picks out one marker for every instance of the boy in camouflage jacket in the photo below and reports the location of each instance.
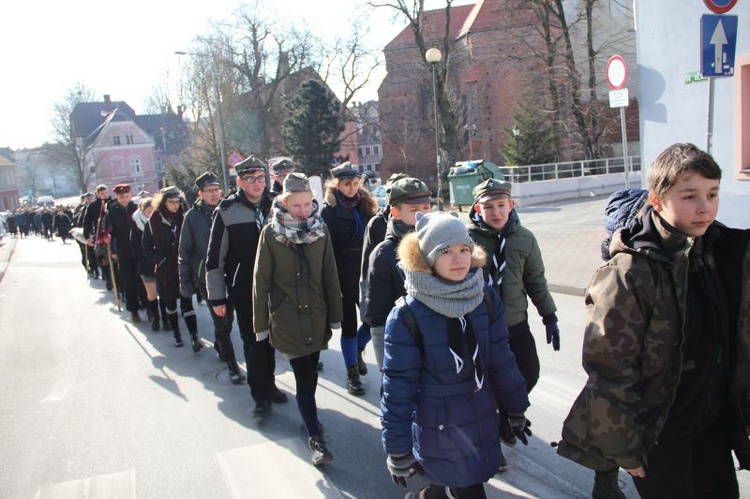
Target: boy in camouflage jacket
(667, 344)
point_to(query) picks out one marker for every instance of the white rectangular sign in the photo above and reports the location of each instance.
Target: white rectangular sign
(618, 98)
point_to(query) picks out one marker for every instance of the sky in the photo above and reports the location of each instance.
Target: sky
(123, 49)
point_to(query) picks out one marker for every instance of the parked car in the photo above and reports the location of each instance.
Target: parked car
(379, 194)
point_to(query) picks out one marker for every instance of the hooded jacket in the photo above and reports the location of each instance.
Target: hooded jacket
(296, 292)
(346, 239)
(524, 271)
(634, 342)
(435, 412)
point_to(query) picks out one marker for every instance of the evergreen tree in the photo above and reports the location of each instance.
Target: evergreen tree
(311, 132)
(535, 143)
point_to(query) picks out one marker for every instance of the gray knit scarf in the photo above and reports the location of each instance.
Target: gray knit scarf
(451, 299)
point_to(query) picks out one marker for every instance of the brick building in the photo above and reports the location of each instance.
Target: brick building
(490, 63)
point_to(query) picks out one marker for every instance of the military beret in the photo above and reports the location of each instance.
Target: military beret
(120, 188)
(296, 182)
(346, 170)
(208, 178)
(491, 188)
(170, 192)
(407, 190)
(249, 165)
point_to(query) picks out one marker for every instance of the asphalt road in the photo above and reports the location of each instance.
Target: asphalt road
(93, 406)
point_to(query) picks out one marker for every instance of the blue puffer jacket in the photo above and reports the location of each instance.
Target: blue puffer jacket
(433, 411)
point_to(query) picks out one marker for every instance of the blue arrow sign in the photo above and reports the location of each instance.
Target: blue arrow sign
(718, 42)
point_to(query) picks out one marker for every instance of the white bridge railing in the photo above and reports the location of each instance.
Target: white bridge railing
(570, 169)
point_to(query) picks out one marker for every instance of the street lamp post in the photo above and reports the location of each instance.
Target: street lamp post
(220, 121)
(433, 56)
(516, 134)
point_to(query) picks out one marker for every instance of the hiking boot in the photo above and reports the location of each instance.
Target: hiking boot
(235, 375)
(262, 410)
(607, 486)
(353, 384)
(279, 397)
(319, 453)
(361, 364)
(134, 317)
(195, 342)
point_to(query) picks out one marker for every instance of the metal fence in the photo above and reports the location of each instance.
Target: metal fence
(570, 169)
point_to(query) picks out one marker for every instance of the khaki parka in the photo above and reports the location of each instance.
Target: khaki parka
(296, 292)
(632, 349)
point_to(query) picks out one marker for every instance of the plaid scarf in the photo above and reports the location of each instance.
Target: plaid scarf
(289, 230)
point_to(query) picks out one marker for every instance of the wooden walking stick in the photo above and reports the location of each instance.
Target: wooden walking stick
(112, 276)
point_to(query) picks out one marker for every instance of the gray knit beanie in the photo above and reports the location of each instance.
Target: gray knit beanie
(437, 231)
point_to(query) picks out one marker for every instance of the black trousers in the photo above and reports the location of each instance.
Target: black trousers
(260, 356)
(695, 467)
(523, 346)
(435, 491)
(222, 327)
(128, 275)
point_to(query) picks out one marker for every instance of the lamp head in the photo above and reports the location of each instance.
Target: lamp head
(433, 55)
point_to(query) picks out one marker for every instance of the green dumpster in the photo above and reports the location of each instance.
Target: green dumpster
(466, 175)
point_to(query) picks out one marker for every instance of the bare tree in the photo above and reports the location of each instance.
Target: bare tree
(71, 155)
(413, 12)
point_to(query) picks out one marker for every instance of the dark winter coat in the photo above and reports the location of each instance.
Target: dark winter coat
(433, 411)
(635, 365)
(385, 281)
(161, 246)
(348, 238)
(233, 245)
(296, 292)
(196, 231)
(145, 267)
(94, 212)
(524, 272)
(62, 225)
(46, 218)
(119, 221)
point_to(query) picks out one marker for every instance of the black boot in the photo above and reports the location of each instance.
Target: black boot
(195, 342)
(607, 486)
(175, 329)
(164, 317)
(192, 325)
(153, 307)
(235, 375)
(353, 384)
(361, 364)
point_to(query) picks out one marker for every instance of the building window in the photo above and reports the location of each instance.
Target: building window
(375, 150)
(116, 140)
(359, 151)
(129, 139)
(377, 167)
(367, 151)
(135, 164)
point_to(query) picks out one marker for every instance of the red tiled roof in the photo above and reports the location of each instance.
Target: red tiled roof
(433, 26)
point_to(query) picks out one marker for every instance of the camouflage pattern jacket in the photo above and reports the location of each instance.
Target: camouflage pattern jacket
(632, 350)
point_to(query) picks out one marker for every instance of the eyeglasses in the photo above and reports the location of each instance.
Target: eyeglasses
(253, 180)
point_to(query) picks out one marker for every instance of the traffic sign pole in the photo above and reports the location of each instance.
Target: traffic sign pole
(617, 76)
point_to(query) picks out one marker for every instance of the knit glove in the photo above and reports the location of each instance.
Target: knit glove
(521, 427)
(553, 335)
(403, 466)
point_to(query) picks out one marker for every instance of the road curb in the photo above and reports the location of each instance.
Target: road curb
(5, 255)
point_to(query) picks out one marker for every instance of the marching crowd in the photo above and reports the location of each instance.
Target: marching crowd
(444, 304)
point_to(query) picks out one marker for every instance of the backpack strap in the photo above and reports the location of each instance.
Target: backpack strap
(411, 321)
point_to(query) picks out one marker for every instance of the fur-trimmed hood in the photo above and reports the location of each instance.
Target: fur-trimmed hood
(368, 202)
(412, 259)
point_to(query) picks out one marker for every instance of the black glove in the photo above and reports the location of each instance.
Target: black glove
(521, 427)
(402, 467)
(553, 335)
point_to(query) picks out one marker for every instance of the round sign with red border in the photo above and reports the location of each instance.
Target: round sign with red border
(617, 72)
(720, 6)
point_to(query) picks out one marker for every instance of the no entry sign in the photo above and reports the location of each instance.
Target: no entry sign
(617, 72)
(720, 6)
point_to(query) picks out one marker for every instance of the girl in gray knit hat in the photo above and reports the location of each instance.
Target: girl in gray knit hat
(446, 363)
